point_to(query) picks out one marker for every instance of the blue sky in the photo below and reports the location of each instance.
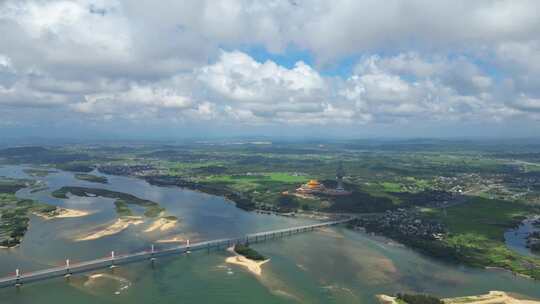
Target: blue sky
(218, 68)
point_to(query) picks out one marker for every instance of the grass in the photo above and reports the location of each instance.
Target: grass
(122, 208)
(263, 187)
(485, 217)
(476, 234)
(391, 187)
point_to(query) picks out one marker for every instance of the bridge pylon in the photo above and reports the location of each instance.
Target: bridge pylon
(18, 282)
(187, 248)
(112, 261)
(68, 270)
(152, 251)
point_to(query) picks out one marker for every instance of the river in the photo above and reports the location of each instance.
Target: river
(334, 265)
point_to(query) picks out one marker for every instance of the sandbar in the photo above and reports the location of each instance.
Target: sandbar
(251, 265)
(493, 297)
(63, 213)
(162, 224)
(176, 239)
(118, 226)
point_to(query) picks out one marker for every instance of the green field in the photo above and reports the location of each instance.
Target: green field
(476, 233)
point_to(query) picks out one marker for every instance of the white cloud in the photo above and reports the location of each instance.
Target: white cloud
(164, 61)
(408, 88)
(238, 77)
(138, 101)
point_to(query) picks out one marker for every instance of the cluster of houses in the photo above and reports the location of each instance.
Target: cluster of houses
(128, 170)
(406, 223)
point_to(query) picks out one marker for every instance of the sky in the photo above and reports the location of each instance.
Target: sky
(340, 68)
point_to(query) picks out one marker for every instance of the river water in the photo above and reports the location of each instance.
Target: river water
(329, 266)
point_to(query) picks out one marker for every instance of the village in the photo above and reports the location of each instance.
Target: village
(402, 223)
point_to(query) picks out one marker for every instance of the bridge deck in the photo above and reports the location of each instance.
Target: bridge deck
(101, 263)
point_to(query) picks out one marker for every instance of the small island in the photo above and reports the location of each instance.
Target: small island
(34, 172)
(91, 178)
(249, 252)
(122, 200)
(247, 257)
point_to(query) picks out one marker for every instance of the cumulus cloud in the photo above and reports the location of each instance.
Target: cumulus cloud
(408, 87)
(239, 77)
(190, 61)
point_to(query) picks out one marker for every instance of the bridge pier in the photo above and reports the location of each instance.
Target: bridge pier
(187, 248)
(18, 281)
(112, 261)
(68, 271)
(152, 250)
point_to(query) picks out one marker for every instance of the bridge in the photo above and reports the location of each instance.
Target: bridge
(115, 260)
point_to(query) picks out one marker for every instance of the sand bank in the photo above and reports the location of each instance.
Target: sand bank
(493, 297)
(118, 226)
(162, 224)
(384, 299)
(101, 278)
(253, 266)
(66, 213)
(176, 239)
(63, 213)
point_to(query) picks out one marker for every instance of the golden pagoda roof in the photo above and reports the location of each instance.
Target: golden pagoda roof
(313, 183)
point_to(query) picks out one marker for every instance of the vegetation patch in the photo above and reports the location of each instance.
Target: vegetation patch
(91, 178)
(249, 252)
(476, 234)
(15, 212)
(38, 172)
(418, 299)
(122, 200)
(75, 167)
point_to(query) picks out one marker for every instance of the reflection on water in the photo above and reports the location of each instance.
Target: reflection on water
(516, 239)
(329, 266)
